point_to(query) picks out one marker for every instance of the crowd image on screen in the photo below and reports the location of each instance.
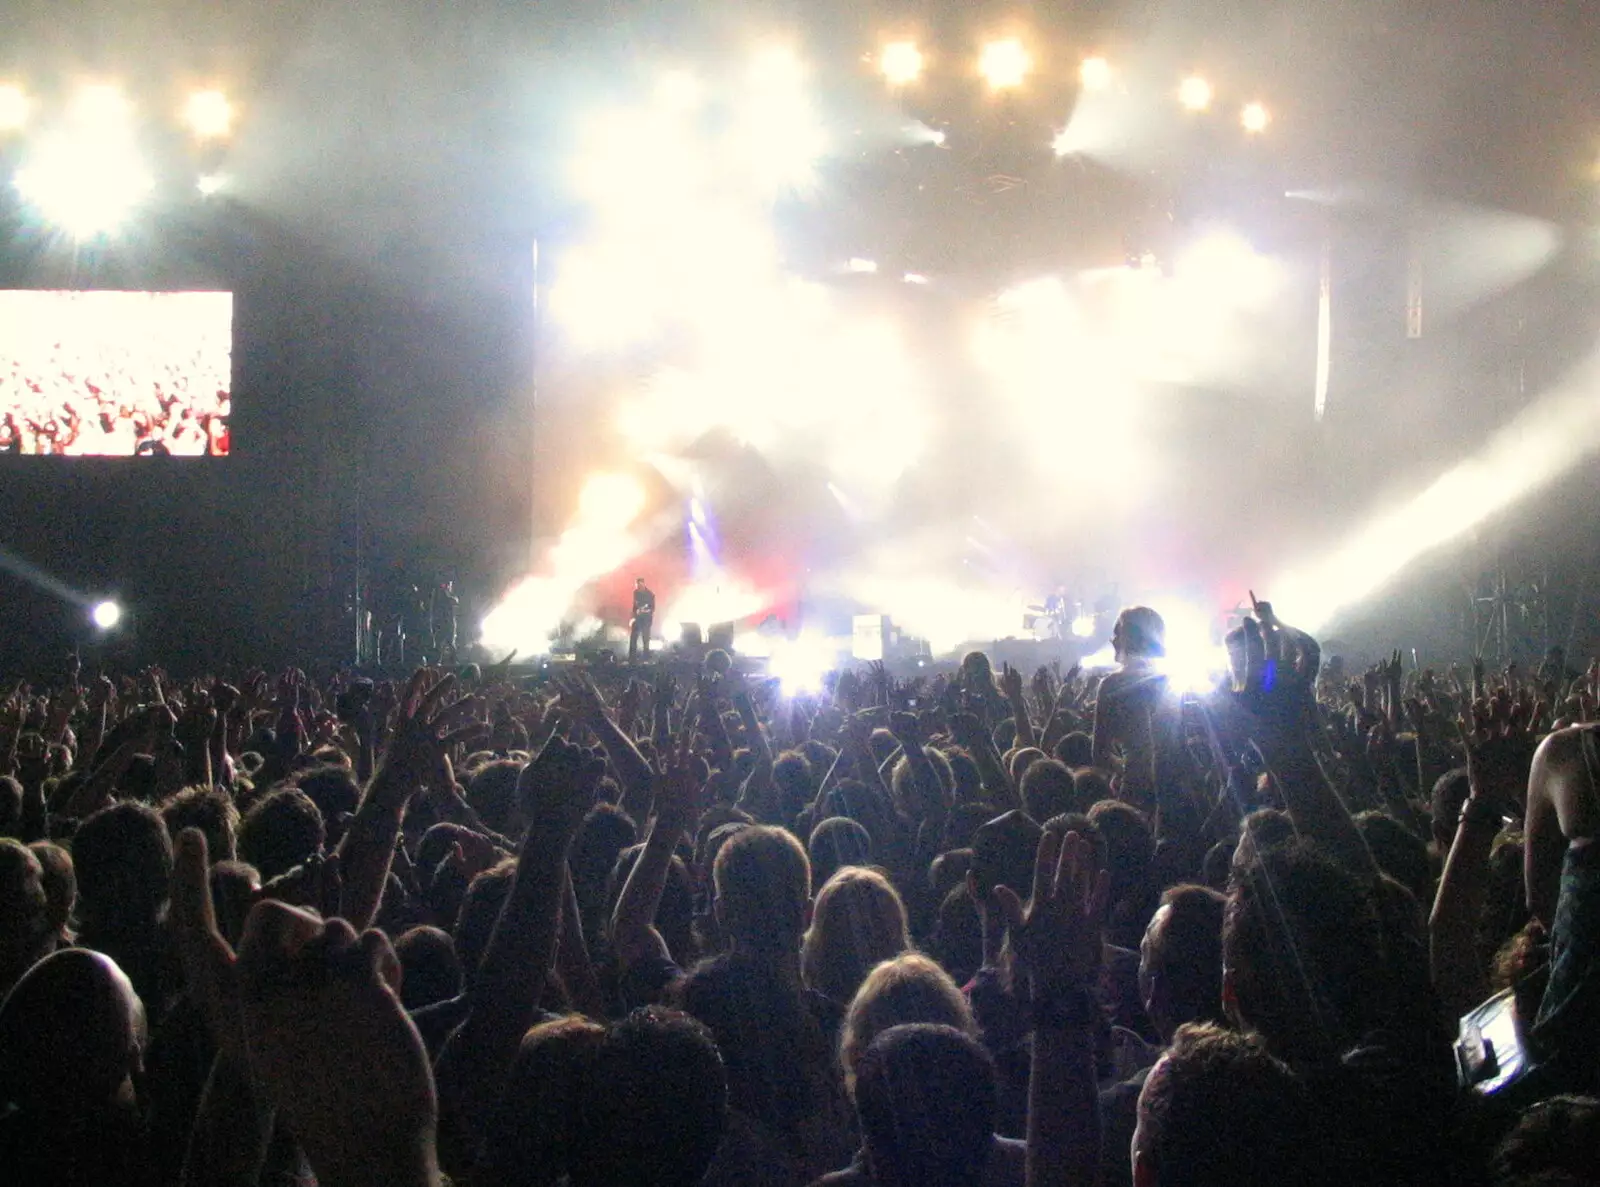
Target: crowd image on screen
(671, 922)
(115, 373)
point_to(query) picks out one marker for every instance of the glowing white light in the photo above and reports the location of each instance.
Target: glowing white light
(1063, 143)
(801, 663)
(14, 108)
(1195, 93)
(1105, 658)
(1004, 64)
(1095, 73)
(933, 607)
(597, 542)
(753, 644)
(716, 598)
(208, 114)
(1194, 658)
(210, 183)
(1254, 117)
(857, 264)
(106, 615)
(1546, 440)
(918, 132)
(900, 63)
(914, 278)
(87, 185)
(1083, 626)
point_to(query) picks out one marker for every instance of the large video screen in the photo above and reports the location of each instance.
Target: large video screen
(115, 374)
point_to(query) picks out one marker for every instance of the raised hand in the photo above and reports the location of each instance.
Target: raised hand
(1056, 934)
(579, 697)
(557, 787)
(209, 966)
(1500, 743)
(1274, 672)
(331, 1046)
(1010, 683)
(425, 730)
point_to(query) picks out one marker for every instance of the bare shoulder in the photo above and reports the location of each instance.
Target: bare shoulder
(1561, 775)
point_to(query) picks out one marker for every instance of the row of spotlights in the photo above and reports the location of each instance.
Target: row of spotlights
(1004, 64)
(208, 114)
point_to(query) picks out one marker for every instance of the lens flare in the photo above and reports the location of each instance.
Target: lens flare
(86, 176)
(208, 114)
(801, 663)
(1004, 64)
(1095, 74)
(900, 63)
(1083, 626)
(1254, 117)
(1195, 93)
(86, 185)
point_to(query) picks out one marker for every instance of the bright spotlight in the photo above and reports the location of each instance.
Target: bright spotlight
(1255, 117)
(901, 63)
(1195, 93)
(858, 264)
(1004, 64)
(1095, 74)
(208, 114)
(86, 185)
(800, 664)
(210, 183)
(14, 107)
(914, 278)
(1063, 142)
(1083, 626)
(106, 615)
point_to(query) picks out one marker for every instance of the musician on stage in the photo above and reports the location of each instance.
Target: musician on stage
(644, 613)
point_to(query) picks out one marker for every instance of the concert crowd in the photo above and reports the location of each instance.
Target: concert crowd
(112, 403)
(668, 923)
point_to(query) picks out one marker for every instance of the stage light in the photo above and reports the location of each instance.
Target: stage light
(1083, 626)
(210, 183)
(208, 114)
(86, 185)
(752, 645)
(1254, 117)
(105, 615)
(1095, 74)
(857, 264)
(901, 63)
(1194, 93)
(14, 108)
(1194, 661)
(1004, 64)
(800, 664)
